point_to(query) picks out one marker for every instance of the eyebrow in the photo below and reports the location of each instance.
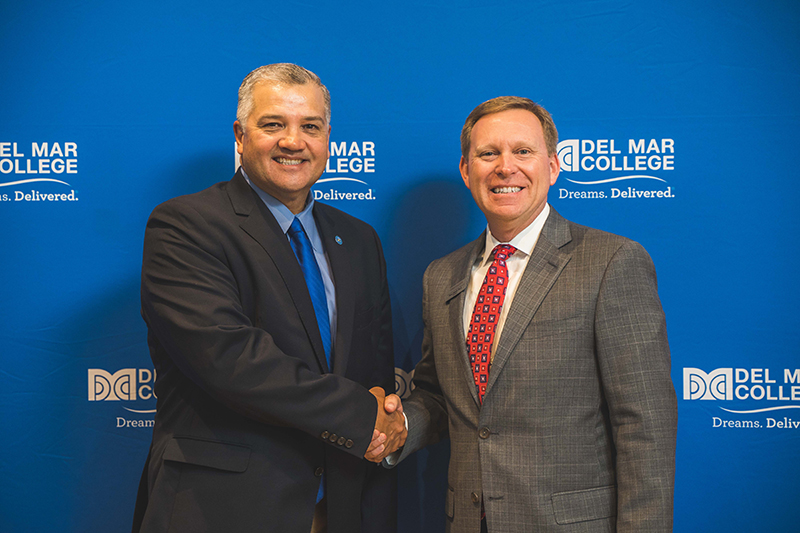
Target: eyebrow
(483, 147)
(516, 146)
(311, 118)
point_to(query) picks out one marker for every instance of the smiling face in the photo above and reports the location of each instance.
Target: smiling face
(508, 170)
(284, 142)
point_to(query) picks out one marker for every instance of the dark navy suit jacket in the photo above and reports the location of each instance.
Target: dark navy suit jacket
(249, 414)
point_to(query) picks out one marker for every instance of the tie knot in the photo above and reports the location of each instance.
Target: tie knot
(296, 229)
(502, 252)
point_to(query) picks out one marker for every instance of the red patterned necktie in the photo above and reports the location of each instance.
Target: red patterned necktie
(486, 315)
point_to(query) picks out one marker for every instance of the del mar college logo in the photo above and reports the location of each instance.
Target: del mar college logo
(611, 169)
(133, 386)
(750, 398)
(39, 172)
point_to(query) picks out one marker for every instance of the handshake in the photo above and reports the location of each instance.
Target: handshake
(390, 427)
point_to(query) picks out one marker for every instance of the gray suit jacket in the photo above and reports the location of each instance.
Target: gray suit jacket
(578, 425)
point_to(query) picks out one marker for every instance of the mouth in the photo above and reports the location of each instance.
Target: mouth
(288, 161)
(506, 190)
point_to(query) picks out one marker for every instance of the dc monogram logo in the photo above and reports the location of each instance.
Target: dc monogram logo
(104, 386)
(403, 382)
(716, 385)
(569, 155)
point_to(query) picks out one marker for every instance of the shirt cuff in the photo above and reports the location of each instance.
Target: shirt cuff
(394, 457)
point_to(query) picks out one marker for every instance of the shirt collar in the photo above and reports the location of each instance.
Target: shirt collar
(524, 241)
(284, 216)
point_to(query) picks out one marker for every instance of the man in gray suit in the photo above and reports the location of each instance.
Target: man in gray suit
(564, 417)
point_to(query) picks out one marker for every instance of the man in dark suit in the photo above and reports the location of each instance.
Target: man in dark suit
(545, 356)
(268, 320)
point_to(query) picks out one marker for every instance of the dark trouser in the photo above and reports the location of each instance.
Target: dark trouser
(320, 523)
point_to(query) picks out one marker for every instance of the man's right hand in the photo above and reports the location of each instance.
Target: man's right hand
(390, 427)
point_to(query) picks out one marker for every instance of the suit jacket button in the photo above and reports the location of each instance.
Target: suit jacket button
(333, 437)
(476, 499)
(349, 443)
(341, 441)
(325, 435)
(319, 471)
(484, 433)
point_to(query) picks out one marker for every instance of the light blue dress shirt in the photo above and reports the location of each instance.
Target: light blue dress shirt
(285, 217)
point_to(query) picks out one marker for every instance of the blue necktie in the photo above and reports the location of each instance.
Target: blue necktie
(316, 288)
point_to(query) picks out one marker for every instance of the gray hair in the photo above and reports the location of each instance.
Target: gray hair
(288, 73)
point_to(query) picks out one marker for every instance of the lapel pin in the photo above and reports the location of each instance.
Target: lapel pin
(338, 240)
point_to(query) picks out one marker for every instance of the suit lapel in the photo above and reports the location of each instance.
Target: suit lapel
(340, 257)
(258, 222)
(544, 266)
(455, 303)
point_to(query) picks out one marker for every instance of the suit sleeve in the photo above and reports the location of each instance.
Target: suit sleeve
(191, 303)
(425, 409)
(633, 355)
(384, 368)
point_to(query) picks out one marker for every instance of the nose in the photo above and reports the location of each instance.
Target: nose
(506, 165)
(291, 140)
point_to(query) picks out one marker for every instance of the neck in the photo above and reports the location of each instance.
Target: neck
(296, 205)
(506, 230)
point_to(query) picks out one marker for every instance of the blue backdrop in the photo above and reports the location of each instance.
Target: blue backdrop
(679, 126)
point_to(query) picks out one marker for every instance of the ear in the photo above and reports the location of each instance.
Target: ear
(555, 168)
(463, 166)
(328, 143)
(238, 132)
